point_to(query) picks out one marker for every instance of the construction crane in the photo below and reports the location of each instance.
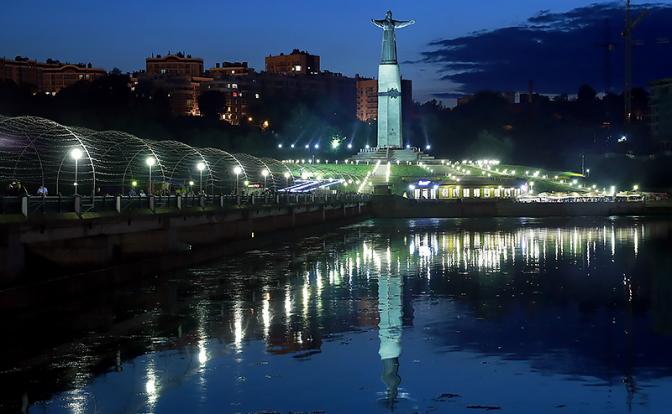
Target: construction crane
(627, 39)
(609, 48)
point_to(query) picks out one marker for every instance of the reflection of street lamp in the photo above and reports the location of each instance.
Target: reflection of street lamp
(264, 173)
(286, 178)
(200, 167)
(76, 154)
(237, 170)
(150, 161)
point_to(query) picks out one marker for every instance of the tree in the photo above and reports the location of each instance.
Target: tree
(211, 103)
(586, 94)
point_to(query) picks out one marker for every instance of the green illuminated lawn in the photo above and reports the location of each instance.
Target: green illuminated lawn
(401, 175)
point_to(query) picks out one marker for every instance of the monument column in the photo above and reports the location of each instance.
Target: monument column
(389, 85)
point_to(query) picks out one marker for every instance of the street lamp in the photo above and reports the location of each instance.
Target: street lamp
(264, 173)
(200, 167)
(76, 154)
(150, 161)
(237, 170)
(287, 175)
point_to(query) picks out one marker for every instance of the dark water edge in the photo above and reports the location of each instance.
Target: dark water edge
(518, 315)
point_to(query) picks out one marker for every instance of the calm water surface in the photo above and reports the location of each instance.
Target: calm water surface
(519, 315)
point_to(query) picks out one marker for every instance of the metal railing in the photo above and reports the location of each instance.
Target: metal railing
(38, 205)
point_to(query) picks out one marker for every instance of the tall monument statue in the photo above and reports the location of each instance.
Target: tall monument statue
(389, 84)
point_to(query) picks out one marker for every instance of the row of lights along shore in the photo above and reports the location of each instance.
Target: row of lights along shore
(486, 167)
(76, 154)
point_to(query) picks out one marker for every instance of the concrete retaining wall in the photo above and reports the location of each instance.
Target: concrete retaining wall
(39, 249)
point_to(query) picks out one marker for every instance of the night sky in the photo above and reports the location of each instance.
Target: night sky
(456, 46)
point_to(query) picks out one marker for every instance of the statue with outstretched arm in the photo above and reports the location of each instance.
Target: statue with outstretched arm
(388, 24)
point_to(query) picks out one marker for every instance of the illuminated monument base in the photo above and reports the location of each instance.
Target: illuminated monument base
(391, 154)
(390, 139)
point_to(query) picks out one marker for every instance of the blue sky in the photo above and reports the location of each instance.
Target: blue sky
(122, 33)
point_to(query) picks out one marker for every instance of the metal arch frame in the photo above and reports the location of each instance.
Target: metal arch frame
(280, 164)
(30, 144)
(147, 147)
(88, 154)
(220, 155)
(251, 159)
(113, 154)
(191, 151)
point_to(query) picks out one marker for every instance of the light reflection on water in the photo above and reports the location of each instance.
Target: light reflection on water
(415, 315)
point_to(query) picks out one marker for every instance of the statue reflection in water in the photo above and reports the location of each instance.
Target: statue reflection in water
(389, 333)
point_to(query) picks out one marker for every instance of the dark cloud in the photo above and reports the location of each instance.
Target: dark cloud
(558, 51)
(447, 95)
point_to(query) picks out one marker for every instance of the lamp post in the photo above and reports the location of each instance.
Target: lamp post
(286, 178)
(237, 170)
(264, 173)
(200, 167)
(150, 161)
(76, 154)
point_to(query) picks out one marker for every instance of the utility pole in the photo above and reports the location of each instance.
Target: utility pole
(608, 46)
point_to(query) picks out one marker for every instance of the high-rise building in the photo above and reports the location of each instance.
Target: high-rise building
(661, 111)
(367, 98)
(180, 76)
(230, 69)
(299, 62)
(178, 64)
(49, 77)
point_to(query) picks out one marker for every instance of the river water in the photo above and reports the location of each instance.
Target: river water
(515, 315)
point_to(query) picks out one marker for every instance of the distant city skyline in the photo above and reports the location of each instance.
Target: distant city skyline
(453, 49)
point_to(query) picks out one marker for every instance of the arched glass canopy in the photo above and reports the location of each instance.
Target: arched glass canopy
(39, 152)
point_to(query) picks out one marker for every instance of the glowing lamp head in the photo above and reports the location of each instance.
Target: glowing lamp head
(349, 146)
(191, 183)
(237, 170)
(280, 146)
(317, 146)
(134, 183)
(286, 174)
(264, 173)
(367, 146)
(635, 187)
(200, 166)
(76, 154)
(428, 147)
(150, 161)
